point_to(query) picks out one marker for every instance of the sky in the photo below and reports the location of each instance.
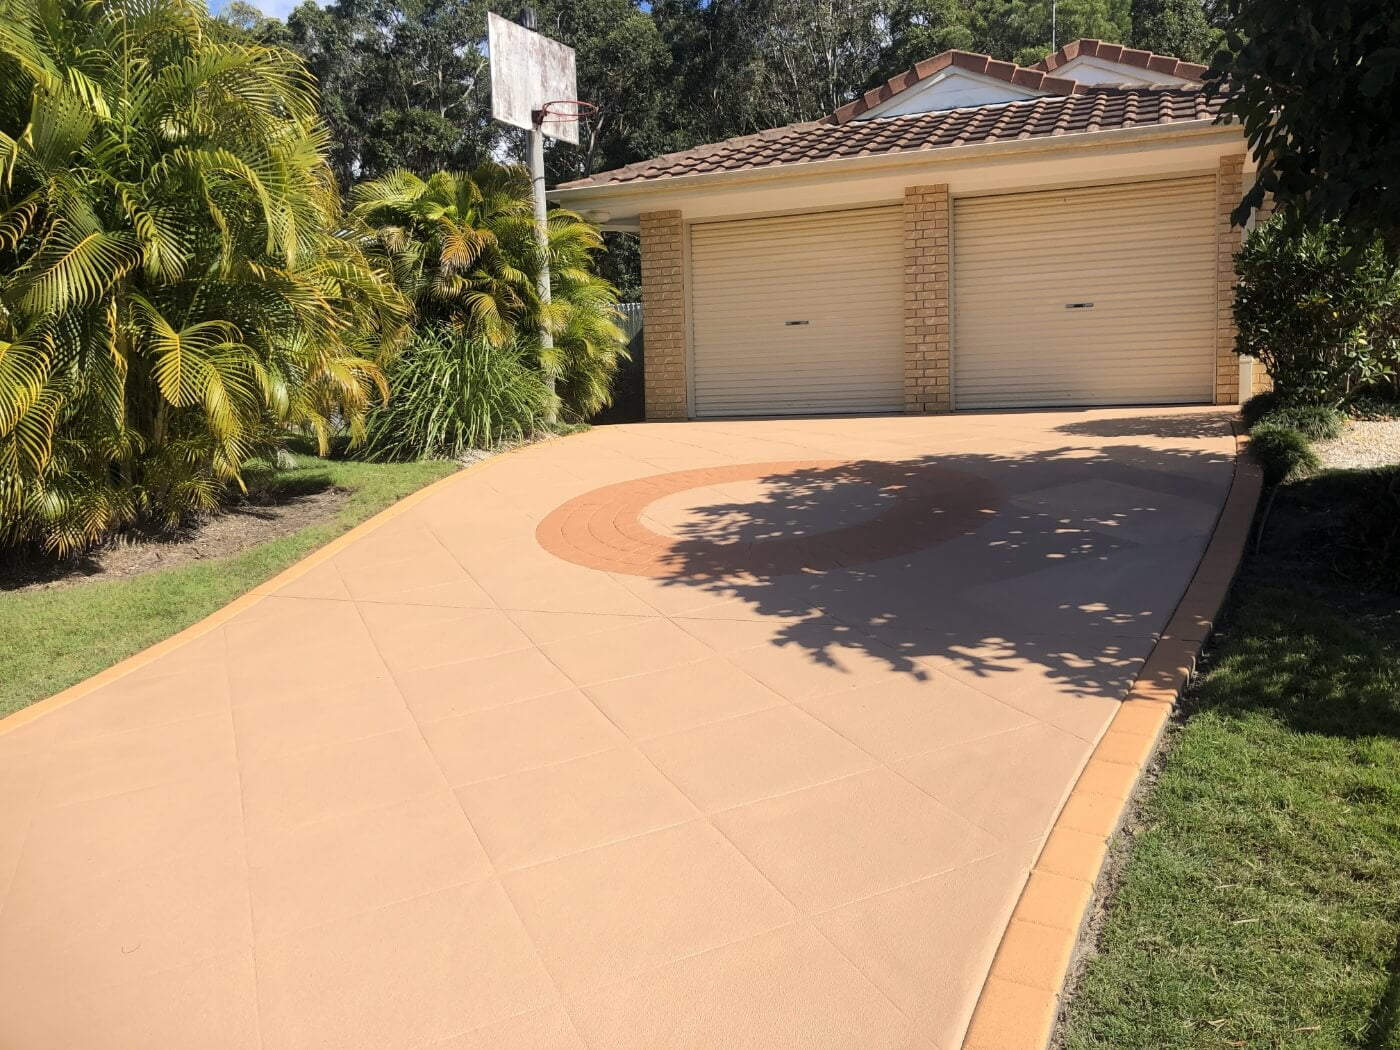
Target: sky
(276, 8)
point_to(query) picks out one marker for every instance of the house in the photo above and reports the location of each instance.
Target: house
(971, 235)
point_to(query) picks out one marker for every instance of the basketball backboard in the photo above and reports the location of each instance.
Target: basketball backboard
(527, 71)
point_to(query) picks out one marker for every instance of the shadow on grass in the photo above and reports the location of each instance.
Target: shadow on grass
(1383, 1031)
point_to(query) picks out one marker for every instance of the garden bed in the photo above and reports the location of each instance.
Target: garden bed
(219, 535)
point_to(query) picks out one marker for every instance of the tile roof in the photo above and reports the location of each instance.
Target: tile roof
(1033, 79)
(1166, 64)
(1091, 109)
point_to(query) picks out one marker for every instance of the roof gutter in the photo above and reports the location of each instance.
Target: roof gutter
(575, 196)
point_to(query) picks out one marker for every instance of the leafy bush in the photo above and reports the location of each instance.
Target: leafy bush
(1259, 406)
(175, 292)
(1314, 422)
(463, 247)
(453, 393)
(1324, 319)
(1282, 451)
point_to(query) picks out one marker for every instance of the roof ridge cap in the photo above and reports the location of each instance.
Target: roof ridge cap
(1029, 77)
(1140, 58)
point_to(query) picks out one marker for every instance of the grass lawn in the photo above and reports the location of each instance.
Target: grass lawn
(1260, 906)
(54, 638)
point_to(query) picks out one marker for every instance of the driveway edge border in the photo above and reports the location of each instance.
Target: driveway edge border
(1020, 999)
(248, 598)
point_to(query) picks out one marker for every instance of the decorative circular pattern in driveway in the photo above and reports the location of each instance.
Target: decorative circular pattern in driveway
(798, 522)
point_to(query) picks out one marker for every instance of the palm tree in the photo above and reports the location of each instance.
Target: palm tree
(178, 286)
(463, 247)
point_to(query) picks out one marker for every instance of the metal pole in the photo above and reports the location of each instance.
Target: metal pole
(542, 280)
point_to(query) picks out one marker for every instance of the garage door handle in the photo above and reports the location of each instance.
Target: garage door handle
(790, 324)
(1079, 306)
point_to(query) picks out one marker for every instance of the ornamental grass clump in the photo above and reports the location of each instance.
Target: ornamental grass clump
(455, 392)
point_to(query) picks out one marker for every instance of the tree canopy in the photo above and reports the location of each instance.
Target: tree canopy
(1315, 84)
(405, 83)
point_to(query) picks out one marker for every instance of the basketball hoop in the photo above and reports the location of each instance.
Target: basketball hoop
(564, 111)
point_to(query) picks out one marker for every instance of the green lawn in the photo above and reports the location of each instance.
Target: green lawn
(54, 638)
(1260, 907)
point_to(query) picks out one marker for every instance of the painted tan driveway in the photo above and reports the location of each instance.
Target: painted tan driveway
(623, 741)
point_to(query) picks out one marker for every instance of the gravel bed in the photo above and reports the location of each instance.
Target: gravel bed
(1364, 444)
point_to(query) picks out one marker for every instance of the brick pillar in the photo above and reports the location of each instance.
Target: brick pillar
(1229, 188)
(927, 358)
(663, 314)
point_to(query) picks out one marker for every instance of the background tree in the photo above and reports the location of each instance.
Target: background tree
(919, 29)
(622, 69)
(402, 84)
(1173, 27)
(1020, 30)
(251, 24)
(1315, 84)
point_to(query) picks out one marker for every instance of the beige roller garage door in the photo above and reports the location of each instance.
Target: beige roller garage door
(799, 315)
(1102, 296)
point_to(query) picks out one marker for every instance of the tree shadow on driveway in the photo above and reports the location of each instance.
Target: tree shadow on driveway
(1187, 425)
(1059, 565)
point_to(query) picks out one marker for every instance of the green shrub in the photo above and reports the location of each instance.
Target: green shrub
(1282, 451)
(1259, 406)
(463, 246)
(1314, 422)
(1324, 319)
(452, 393)
(178, 286)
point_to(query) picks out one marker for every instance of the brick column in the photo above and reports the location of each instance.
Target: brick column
(1229, 188)
(927, 358)
(663, 314)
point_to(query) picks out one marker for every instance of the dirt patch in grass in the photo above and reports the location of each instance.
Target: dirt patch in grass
(230, 531)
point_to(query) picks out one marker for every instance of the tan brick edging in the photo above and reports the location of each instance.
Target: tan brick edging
(927, 358)
(244, 601)
(1020, 999)
(663, 315)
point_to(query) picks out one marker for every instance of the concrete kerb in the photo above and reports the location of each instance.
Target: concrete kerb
(1021, 997)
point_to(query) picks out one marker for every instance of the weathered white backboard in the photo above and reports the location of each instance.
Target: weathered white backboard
(528, 70)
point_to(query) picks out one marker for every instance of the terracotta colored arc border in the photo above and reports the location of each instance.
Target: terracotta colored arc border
(603, 529)
(244, 601)
(1020, 999)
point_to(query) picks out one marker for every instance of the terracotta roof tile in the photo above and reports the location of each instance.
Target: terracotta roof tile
(1118, 53)
(1091, 110)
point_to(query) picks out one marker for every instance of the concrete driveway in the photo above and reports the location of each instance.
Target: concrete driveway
(697, 735)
